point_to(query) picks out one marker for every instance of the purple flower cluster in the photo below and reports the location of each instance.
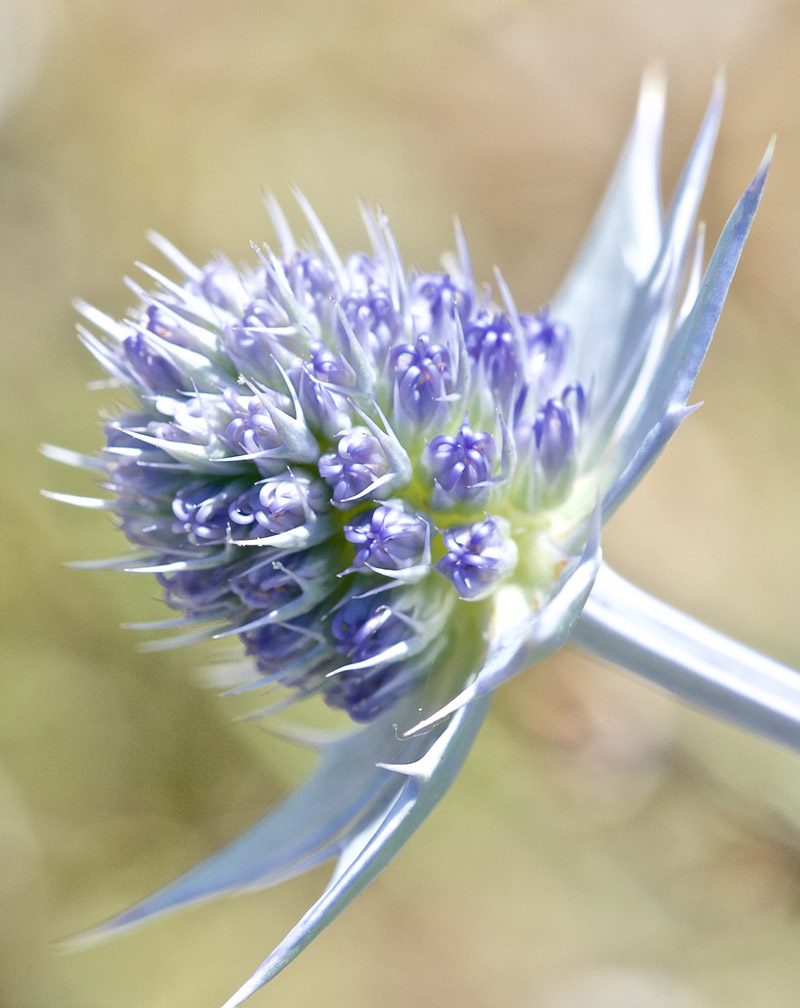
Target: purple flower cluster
(326, 454)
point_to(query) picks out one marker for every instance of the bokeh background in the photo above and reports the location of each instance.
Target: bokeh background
(605, 846)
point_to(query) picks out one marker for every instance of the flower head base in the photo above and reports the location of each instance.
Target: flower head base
(390, 486)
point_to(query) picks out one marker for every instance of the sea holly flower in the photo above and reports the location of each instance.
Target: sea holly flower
(390, 486)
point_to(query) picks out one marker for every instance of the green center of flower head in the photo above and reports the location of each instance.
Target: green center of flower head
(341, 463)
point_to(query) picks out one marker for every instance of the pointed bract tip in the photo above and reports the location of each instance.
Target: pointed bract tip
(652, 92)
(405, 769)
(756, 187)
(172, 254)
(92, 936)
(471, 692)
(766, 161)
(720, 85)
(654, 76)
(279, 222)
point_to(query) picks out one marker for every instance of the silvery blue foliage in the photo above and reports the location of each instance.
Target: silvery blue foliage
(390, 487)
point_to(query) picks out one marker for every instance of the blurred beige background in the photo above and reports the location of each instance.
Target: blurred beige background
(604, 846)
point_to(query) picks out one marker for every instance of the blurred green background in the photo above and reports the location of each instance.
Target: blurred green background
(604, 846)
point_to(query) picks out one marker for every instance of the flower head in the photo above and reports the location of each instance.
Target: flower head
(390, 486)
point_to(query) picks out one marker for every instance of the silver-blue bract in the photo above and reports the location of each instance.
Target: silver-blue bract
(391, 486)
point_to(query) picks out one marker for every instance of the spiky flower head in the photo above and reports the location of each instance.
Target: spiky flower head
(343, 462)
(389, 485)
